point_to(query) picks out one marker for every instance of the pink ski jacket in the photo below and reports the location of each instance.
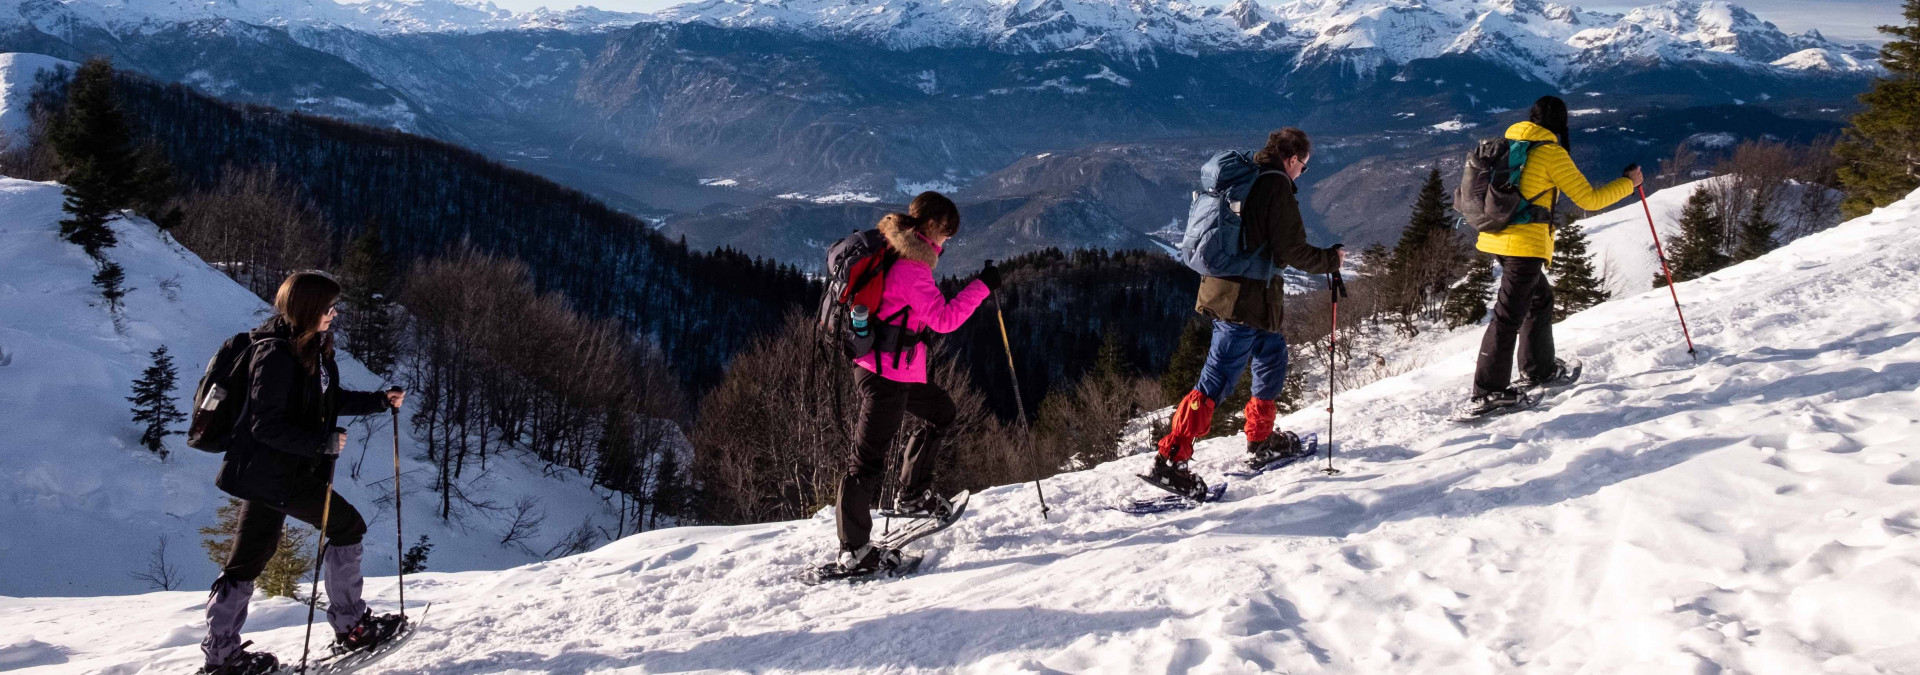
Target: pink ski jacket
(910, 287)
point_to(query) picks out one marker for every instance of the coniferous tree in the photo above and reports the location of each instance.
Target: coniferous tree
(1881, 151)
(1467, 304)
(414, 560)
(111, 280)
(290, 561)
(1189, 358)
(1756, 234)
(1696, 252)
(368, 278)
(91, 138)
(153, 402)
(1577, 282)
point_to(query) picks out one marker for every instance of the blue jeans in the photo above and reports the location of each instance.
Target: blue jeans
(1233, 345)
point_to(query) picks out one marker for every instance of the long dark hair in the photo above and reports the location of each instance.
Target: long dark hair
(931, 214)
(1551, 113)
(303, 301)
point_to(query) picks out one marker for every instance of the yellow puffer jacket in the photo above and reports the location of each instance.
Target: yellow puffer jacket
(1549, 170)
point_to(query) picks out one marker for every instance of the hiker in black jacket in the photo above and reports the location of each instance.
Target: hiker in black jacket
(280, 462)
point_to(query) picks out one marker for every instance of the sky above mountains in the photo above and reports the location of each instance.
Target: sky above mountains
(1842, 20)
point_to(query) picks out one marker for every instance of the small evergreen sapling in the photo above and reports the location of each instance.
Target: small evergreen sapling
(292, 558)
(1696, 252)
(1467, 304)
(153, 402)
(1577, 282)
(415, 559)
(111, 280)
(1756, 234)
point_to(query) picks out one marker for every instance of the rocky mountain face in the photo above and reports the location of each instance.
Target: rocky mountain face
(776, 126)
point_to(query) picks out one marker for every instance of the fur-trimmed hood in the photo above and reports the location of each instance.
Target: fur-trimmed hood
(908, 243)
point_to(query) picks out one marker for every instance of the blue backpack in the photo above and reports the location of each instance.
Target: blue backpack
(1215, 241)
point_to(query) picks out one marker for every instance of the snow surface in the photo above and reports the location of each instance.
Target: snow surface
(17, 73)
(1757, 510)
(83, 504)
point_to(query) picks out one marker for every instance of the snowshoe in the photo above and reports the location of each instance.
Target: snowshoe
(392, 630)
(866, 563)
(1495, 404)
(370, 633)
(1279, 450)
(914, 531)
(243, 662)
(1565, 373)
(1165, 503)
(1175, 478)
(925, 505)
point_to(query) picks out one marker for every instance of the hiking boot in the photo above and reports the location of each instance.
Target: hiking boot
(1282, 445)
(243, 662)
(1174, 477)
(1563, 374)
(925, 505)
(868, 559)
(372, 631)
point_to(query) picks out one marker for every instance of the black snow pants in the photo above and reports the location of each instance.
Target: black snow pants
(883, 405)
(1523, 312)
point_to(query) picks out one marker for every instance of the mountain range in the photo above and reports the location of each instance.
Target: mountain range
(1058, 122)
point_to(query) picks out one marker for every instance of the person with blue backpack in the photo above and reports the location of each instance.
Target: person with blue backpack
(1243, 227)
(1508, 194)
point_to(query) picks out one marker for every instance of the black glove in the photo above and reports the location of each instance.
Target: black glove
(332, 448)
(990, 276)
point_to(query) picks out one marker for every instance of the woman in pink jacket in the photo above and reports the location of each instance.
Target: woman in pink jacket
(892, 380)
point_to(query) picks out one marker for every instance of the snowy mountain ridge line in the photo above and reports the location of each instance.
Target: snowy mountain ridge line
(1757, 510)
(1544, 40)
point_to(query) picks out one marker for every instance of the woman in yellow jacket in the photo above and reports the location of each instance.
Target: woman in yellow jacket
(1524, 309)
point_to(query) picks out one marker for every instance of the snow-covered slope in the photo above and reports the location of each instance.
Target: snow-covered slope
(17, 72)
(1755, 511)
(83, 504)
(1623, 247)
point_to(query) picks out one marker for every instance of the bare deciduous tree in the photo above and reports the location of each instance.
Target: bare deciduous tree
(160, 573)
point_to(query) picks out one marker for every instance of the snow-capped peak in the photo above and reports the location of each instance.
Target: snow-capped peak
(376, 16)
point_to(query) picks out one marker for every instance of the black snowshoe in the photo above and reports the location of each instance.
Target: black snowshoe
(243, 662)
(1174, 477)
(1495, 404)
(1565, 373)
(925, 505)
(1282, 446)
(370, 634)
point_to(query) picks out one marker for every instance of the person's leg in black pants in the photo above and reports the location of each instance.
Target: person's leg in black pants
(254, 543)
(883, 402)
(929, 403)
(1536, 333)
(1522, 289)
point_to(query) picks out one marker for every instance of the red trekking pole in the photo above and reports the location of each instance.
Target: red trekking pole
(1669, 272)
(1337, 287)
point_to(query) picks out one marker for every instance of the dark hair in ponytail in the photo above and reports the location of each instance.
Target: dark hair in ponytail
(930, 213)
(1282, 145)
(302, 302)
(1551, 113)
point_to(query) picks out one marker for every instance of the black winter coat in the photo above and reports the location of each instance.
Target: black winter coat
(1271, 216)
(276, 448)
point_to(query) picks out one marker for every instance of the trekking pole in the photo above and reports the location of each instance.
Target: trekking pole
(399, 538)
(319, 558)
(1336, 287)
(1662, 254)
(1019, 403)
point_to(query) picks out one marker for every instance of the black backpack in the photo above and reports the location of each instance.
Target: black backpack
(1489, 194)
(222, 395)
